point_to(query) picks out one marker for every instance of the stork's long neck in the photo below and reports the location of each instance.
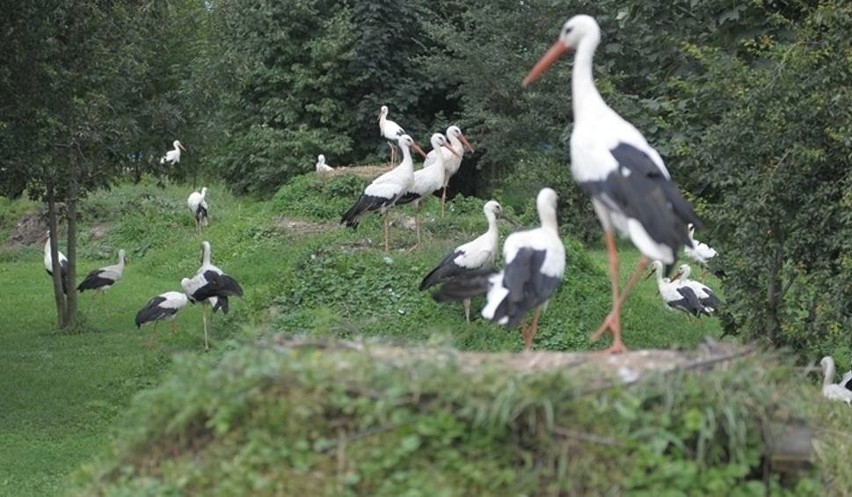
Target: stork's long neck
(828, 371)
(407, 163)
(456, 144)
(120, 264)
(547, 216)
(47, 248)
(585, 96)
(205, 256)
(658, 273)
(492, 231)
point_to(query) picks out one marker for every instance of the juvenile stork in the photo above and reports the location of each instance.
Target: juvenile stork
(427, 180)
(321, 166)
(708, 299)
(834, 391)
(472, 256)
(197, 203)
(102, 279)
(173, 156)
(534, 267)
(630, 187)
(384, 191)
(677, 296)
(390, 130)
(63, 263)
(700, 252)
(163, 307)
(452, 162)
(210, 286)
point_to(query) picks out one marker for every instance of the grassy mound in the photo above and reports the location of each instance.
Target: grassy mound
(284, 418)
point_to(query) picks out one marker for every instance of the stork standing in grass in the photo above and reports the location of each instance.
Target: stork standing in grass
(383, 192)
(321, 166)
(391, 131)
(427, 180)
(470, 257)
(452, 162)
(630, 187)
(706, 296)
(197, 203)
(835, 391)
(163, 307)
(63, 263)
(102, 279)
(534, 267)
(173, 156)
(210, 286)
(677, 296)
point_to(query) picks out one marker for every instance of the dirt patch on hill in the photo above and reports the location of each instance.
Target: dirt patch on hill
(29, 229)
(300, 227)
(366, 172)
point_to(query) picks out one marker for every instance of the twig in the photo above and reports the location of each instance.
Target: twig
(586, 437)
(358, 435)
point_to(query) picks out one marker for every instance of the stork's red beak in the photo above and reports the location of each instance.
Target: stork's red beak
(448, 147)
(182, 147)
(556, 51)
(677, 275)
(466, 143)
(419, 150)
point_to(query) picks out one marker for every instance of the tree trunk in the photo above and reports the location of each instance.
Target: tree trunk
(58, 295)
(71, 217)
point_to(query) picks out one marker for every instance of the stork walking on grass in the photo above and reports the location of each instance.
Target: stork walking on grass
(708, 299)
(534, 267)
(472, 256)
(197, 203)
(391, 131)
(102, 279)
(427, 180)
(630, 187)
(63, 263)
(677, 296)
(384, 191)
(210, 287)
(173, 156)
(163, 307)
(452, 162)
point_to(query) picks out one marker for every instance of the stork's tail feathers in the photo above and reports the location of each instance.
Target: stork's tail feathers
(353, 216)
(201, 215)
(465, 286)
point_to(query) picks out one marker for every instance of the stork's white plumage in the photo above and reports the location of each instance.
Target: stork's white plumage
(197, 203)
(427, 180)
(383, 192)
(321, 166)
(390, 130)
(676, 295)
(830, 390)
(210, 286)
(63, 263)
(163, 307)
(700, 252)
(534, 267)
(452, 162)
(472, 256)
(614, 164)
(104, 278)
(706, 296)
(173, 156)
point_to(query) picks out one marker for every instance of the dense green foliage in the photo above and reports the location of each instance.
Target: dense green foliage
(273, 420)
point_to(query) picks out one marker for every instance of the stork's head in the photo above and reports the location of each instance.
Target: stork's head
(456, 132)
(177, 144)
(408, 142)
(383, 112)
(438, 140)
(574, 32)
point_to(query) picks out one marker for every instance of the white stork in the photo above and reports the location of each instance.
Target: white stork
(104, 278)
(197, 203)
(677, 296)
(173, 156)
(212, 286)
(835, 391)
(472, 256)
(164, 306)
(452, 162)
(700, 252)
(534, 267)
(63, 263)
(390, 130)
(708, 299)
(383, 192)
(612, 162)
(321, 166)
(427, 180)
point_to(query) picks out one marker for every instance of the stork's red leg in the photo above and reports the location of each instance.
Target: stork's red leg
(532, 330)
(622, 297)
(387, 231)
(443, 200)
(612, 322)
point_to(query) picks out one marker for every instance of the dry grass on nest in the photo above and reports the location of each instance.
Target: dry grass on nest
(367, 172)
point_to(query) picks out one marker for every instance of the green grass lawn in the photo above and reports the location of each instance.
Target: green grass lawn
(61, 393)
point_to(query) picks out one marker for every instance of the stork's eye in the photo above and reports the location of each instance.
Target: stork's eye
(567, 30)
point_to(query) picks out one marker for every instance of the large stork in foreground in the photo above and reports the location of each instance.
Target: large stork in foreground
(534, 267)
(630, 187)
